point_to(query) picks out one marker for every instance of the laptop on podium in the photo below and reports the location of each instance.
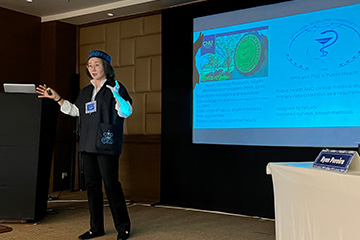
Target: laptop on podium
(19, 87)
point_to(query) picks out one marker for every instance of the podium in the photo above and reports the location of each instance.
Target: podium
(27, 133)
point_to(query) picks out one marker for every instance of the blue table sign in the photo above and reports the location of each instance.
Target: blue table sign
(337, 160)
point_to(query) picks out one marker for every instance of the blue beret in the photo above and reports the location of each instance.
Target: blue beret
(100, 54)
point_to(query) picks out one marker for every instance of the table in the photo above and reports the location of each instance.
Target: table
(315, 204)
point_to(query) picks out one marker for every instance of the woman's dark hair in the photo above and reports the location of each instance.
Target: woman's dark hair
(108, 69)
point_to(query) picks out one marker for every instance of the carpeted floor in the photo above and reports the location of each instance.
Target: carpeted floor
(68, 217)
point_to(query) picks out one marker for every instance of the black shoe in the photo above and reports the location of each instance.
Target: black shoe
(90, 235)
(123, 235)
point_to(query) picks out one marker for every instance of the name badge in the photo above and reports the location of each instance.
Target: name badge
(337, 160)
(90, 107)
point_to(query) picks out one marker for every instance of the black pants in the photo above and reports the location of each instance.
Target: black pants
(98, 168)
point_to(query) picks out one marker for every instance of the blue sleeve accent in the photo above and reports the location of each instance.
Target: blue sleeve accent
(124, 105)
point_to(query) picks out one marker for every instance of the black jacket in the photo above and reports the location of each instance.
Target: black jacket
(101, 131)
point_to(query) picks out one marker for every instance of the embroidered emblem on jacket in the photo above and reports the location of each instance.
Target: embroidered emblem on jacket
(108, 138)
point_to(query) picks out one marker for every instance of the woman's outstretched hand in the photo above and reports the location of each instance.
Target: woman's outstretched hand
(45, 92)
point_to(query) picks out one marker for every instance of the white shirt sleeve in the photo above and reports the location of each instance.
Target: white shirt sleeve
(69, 109)
(120, 113)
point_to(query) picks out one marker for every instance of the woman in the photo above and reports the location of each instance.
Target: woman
(102, 107)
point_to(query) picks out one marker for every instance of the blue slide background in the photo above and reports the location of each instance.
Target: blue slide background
(308, 77)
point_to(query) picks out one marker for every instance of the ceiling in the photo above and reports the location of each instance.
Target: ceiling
(80, 12)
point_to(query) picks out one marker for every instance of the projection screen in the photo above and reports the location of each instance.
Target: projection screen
(286, 74)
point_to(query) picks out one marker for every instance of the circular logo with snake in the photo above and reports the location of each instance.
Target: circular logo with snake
(329, 43)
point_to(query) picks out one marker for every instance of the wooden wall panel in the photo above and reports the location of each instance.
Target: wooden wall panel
(135, 47)
(20, 47)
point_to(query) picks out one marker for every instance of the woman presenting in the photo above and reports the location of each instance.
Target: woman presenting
(102, 107)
